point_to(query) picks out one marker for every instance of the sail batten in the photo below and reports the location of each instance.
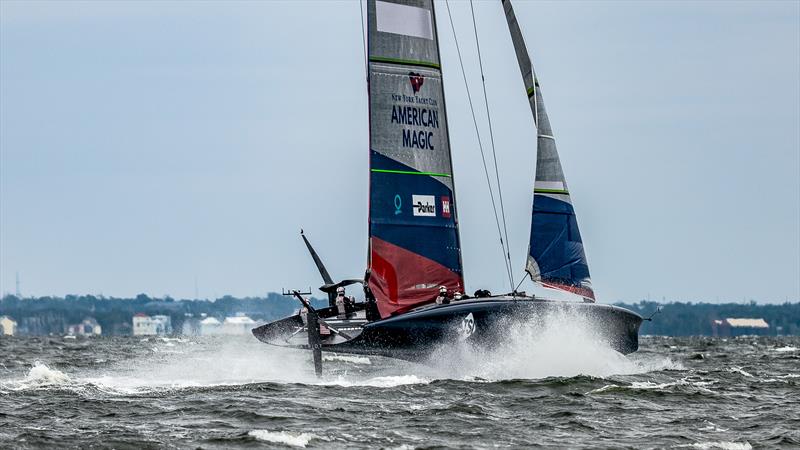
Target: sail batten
(556, 257)
(414, 246)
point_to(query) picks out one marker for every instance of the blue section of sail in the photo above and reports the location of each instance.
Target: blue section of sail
(556, 243)
(426, 227)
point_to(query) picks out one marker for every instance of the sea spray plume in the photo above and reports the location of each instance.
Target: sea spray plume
(537, 347)
(561, 344)
(39, 376)
(213, 361)
(229, 361)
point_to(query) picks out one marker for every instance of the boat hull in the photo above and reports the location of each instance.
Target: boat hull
(483, 322)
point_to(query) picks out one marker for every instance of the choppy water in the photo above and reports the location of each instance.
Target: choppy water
(556, 390)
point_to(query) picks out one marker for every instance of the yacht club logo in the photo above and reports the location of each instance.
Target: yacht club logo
(424, 205)
(416, 81)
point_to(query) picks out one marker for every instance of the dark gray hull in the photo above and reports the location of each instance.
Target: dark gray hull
(484, 322)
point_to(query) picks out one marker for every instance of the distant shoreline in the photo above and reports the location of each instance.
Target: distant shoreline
(37, 316)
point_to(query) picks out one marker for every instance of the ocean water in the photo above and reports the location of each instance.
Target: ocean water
(552, 389)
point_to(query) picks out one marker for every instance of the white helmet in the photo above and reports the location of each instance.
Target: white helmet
(443, 289)
(340, 290)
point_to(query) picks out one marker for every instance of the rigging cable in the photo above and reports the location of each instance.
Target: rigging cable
(494, 153)
(363, 37)
(520, 283)
(480, 145)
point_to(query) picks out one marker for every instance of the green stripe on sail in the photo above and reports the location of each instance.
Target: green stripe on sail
(406, 62)
(531, 91)
(408, 172)
(551, 191)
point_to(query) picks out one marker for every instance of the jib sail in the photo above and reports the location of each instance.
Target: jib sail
(555, 255)
(414, 244)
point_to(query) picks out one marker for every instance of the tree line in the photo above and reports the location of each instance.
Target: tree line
(694, 319)
(52, 315)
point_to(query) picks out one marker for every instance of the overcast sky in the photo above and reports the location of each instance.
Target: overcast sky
(146, 145)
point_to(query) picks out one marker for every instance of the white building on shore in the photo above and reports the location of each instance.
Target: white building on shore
(239, 324)
(235, 325)
(144, 325)
(740, 327)
(89, 327)
(210, 326)
(8, 326)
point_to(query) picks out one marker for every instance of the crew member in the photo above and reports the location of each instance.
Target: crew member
(482, 293)
(304, 315)
(372, 305)
(350, 305)
(442, 298)
(340, 302)
(457, 296)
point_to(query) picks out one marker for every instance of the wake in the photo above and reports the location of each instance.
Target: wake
(558, 346)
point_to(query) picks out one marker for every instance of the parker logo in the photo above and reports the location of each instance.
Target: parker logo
(416, 81)
(424, 205)
(446, 206)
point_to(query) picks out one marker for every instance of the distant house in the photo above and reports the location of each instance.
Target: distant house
(740, 327)
(144, 325)
(190, 326)
(239, 324)
(210, 326)
(8, 326)
(89, 327)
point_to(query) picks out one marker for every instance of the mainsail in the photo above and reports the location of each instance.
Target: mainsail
(555, 255)
(414, 244)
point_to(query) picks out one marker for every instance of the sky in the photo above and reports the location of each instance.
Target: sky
(174, 148)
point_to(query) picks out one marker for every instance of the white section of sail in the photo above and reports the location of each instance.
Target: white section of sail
(533, 268)
(403, 19)
(559, 185)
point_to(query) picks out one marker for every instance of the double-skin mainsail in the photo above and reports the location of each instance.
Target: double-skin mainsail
(414, 243)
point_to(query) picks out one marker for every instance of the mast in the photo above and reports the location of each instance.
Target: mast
(556, 257)
(414, 245)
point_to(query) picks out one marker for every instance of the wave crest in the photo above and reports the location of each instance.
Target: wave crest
(283, 437)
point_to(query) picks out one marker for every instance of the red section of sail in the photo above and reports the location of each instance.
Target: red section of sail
(402, 280)
(584, 292)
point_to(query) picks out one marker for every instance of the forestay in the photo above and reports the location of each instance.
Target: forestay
(555, 255)
(413, 229)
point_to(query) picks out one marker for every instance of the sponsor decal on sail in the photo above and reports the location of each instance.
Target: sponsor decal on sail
(403, 19)
(446, 207)
(398, 203)
(424, 205)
